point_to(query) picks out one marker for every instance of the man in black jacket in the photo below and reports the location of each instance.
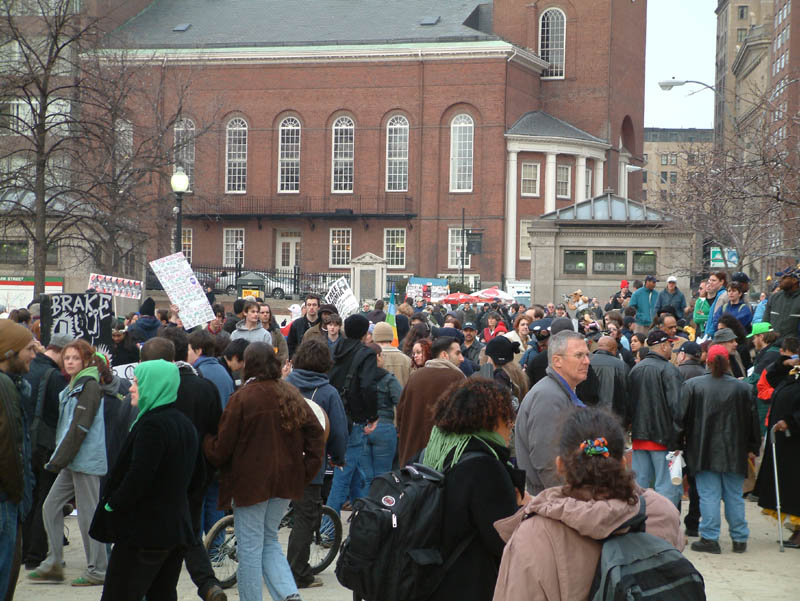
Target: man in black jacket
(355, 376)
(301, 324)
(612, 373)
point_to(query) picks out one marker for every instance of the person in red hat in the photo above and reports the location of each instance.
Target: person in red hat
(621, 297)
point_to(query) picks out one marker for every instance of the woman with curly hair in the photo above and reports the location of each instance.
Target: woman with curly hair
(417, 332)
(553, 555)
(269, 447)
(421, 353)
(469, 442)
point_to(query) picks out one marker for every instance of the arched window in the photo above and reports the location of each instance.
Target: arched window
(289, 155)
(184, 148)
(461, 137)
(343, 155)
(236, 156)
(397, 154)
(552, 41)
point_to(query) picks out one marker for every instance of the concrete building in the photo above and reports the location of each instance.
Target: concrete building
(669, 155)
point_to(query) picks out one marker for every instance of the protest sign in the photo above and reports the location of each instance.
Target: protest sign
(124, 371)
(183, 289)
(109, 284)
(341, 295)
(86, 316)
(430, 289)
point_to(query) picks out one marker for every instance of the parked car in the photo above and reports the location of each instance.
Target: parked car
(276, 285)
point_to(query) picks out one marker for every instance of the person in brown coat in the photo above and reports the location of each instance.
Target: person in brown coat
(553, 555)
(415, 408)
(269, 447)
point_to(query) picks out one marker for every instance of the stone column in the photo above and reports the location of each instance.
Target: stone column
(544, 262)
(622, 183)
(580, 178)
(510, 264)
(550, 183)
(598, 177)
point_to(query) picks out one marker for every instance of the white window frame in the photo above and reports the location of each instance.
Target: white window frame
(400, 236)
(186, 243)
(230, 236)
(523, 179)
(397, 136)
(289, 148)
(524, 240)
(462, 153)
(334, 261)
(454, 248)
(589, 174)
(343, 154)
(559, 169)
(236, 158)
(556, 70)
(183, 133)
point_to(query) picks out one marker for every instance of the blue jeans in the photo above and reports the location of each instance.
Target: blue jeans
(9, 523)
(260, 554)
(379, 452)
(349, 481)
(652, 471)
(726, 486)
(210, 515)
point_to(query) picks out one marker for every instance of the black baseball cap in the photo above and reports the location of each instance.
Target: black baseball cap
(651, 278)
(691, 348)
(469, 326)
(657, 337)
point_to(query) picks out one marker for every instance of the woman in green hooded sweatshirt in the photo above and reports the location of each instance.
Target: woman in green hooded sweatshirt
(144, 510)
(469, 442)
(80, 461)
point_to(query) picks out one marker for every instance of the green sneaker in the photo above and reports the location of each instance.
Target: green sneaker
(52, 575)
(83, 581)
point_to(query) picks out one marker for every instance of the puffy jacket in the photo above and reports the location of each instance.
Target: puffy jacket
(783, 312)
(81, 430)
(719, 424)
(644, 301)
(654, 400)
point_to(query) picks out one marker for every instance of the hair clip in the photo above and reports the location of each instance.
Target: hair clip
(597, 446)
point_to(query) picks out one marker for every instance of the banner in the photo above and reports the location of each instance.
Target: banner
(109, 284)
(430, 289)
(87, 316)
(125, 371)
(17, 290)
(341, 295)
(183, 289)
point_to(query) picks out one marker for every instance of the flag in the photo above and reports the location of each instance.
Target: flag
(390, 319)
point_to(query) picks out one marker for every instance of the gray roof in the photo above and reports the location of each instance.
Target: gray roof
(607, 207)
(544, 125)
(229, 23)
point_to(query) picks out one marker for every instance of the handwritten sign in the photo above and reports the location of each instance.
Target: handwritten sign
(86, 316)
(432, 289)
(183, 289)
(341, 295)
(109, 284)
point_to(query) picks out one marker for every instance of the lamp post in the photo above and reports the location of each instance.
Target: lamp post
(239, 247)
(179, 183)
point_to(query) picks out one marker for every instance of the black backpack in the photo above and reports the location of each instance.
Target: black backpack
(637, 565)
(393, 551)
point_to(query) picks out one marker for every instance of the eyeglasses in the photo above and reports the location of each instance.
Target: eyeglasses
(578, 356)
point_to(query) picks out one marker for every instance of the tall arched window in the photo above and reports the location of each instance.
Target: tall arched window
(289, 155)
(461, 137)
(397, 154)
(184, 148)
(344, 131)
(236, 156)
(552, 41)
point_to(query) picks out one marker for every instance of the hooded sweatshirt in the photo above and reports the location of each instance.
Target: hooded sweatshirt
(144, 328)
(257, 334)
(158, 383)
(553, 555)
(211, 369)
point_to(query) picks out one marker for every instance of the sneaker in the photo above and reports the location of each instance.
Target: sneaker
(215, 593)
(314, 583)
(294, 597)
(739, 547)
(692, 532)
(83, 581)
(52, 575)
(706, 546)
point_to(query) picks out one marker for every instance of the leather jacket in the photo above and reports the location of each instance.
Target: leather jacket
(654, 400)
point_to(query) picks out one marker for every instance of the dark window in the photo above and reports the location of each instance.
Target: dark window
(14, 252)
(644, 195)
(691, 159)
(575, 261)
(644, 262)
(610, 261)
(644, 177)
(742, 12)
(664, 176)
(673, 177)
(52, 254)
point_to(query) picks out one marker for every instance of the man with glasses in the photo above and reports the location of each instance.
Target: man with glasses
(543, 409)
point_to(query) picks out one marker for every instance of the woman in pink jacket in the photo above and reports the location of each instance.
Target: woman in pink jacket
(553, 555)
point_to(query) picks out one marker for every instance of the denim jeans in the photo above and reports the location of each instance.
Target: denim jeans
(379, 452)
(9, 524)
(260, 554)
(349, 481)
(210, 515)
(652, 471)
(726, 486)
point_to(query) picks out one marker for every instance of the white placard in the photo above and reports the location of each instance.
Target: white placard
(341, 295)
(183, 289)
(125, 371)
(109, 284)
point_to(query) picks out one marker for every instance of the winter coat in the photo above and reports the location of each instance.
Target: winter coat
(148, 488)
(56, 382)
(16, 477)
(81, 430)
(742, 312)
(279, 344)
(587, 391)
(397, 362)
(316, 385)
(654, 400)
(210, 369)
(700, 315)
(376, 316)
(489, 333)
(644, 301)
(783, 312)
(118, 416)
(612, 373)
(675, 299)
(258, 458)
(514, 336)
(553, 555)
(125, 352)
(414, 415)
(257, 334)
(295, 336)
(144, 328)
(389, 393)
(361, 399)
(719, 424)
(472, 352)
(478, 491)
(715, 311)
(691, 368)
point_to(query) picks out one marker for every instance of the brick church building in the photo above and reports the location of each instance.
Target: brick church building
(346, 127)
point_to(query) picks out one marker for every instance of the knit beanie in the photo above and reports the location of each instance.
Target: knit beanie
(356, 326)
(13, 338)
(148, 307)
(383, 332)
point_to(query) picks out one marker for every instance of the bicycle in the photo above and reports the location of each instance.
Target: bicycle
(325, 544)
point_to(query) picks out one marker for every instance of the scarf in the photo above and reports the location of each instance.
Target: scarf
(158, 382)
(90, 371)
(441, 443)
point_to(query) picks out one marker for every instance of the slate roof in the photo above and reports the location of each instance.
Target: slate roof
(544, 125)
(232, 23)
(607, 207)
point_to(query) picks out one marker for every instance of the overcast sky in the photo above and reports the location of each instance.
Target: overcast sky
(680, 44)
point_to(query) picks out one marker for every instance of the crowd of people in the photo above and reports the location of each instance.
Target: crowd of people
(568, 403)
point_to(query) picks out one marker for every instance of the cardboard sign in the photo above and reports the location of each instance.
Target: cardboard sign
(87, 316)
(341, 295)
(183, 289)
(433, 289)
(109, 284)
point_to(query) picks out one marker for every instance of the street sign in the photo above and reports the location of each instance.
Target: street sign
(474, 243)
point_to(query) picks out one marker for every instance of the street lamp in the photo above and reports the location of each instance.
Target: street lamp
(179, 183)
(239, 247)
(674, 83)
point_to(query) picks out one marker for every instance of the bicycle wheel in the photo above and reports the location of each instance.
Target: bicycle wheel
(220, 542)
(326, 541)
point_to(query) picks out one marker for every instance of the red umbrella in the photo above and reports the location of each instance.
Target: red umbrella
(457, 298)
(494, 294)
